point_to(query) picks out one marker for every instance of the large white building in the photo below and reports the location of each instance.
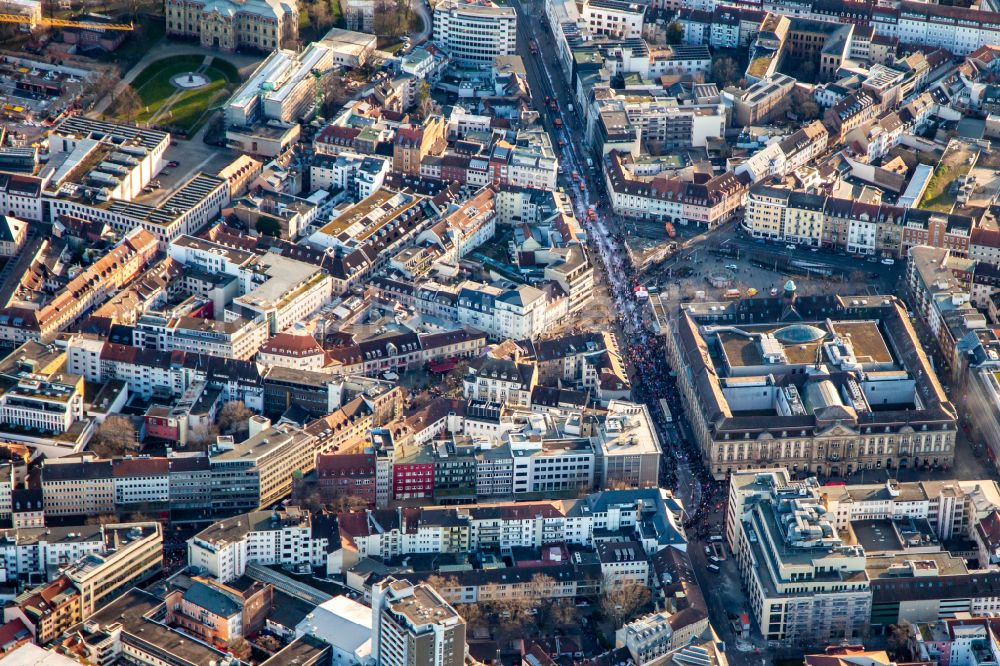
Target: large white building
(41, 551)
(476, 32)
(614, 18)
(261, 537)
(804, 583)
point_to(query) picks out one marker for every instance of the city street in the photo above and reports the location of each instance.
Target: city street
(682, 469)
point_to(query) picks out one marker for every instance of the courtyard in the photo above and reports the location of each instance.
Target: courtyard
(179, 93)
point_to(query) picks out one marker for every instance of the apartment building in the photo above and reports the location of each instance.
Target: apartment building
(87, 290)
(762, 100)
(237, 338)
(475, 33)
(47, 610)
(83, 486)
(500, 380)
(284, 292)
(614, 18)
(51, 405)
(649, 516)
(804, 583)
(133, 553)
(295, 349)
(670, 199)
(664, 121)
(346, 475)
(290, 537)
(412, 625)
(940, 287)
(257, 472)
(358, 175)
(629, 449)
(414, 142)
(217, 613)
(623, 563)
(818, 220)
(517, 313)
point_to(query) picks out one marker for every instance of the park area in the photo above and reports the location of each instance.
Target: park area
(949, 175)
(179, 93)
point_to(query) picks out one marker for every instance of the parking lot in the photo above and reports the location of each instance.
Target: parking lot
(191, 157)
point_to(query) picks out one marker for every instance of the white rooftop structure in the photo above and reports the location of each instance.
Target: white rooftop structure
(343, 623)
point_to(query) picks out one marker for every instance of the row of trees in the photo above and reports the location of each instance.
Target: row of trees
(392, 18)
(537, 612)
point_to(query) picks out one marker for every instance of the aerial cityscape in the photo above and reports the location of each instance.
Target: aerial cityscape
(500, 332)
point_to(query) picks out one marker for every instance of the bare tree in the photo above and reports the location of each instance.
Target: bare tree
(202, 436)
(392, 17)
(114, 438)
(447, 586)
(319, 14)
(101, 85)
(899, 640)
(344, 503)
(234, 419)
(102, 519)
(472, 614)
(620, 603)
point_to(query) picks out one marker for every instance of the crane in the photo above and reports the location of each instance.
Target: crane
(63, 23)
(318, 75)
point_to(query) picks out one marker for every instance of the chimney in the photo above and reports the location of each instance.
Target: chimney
(259, 424)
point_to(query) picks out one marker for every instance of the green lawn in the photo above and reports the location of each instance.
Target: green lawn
(191, 107)
(954, 164)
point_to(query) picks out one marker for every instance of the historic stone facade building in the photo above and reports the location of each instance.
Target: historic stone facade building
(228, 25)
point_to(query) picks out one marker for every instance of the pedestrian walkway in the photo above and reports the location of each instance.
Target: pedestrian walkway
(167, 49)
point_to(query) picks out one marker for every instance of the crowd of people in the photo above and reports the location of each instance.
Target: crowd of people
(646, 357)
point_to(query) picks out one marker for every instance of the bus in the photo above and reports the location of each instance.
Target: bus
(665, 408)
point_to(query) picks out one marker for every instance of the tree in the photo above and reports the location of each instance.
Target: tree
(803, 105)
(103, 519)
(268, 643)
(127, 103)
(114, 438)
(472, 614)
(899, 640)
(620, 603)
(427, 105)
(724, 71)
(550, 610)
(268, 226)
(446, 586)
(203, 436)
(346, 503)
(240, 648)
(392, 17)
(806, 70)
(101, 85)
(319, 14)
(675, 33)
(234, 419)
